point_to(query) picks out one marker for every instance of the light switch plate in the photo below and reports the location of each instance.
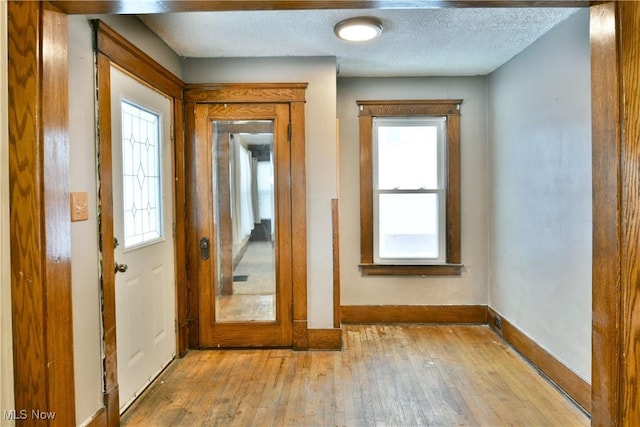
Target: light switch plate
(79, 206)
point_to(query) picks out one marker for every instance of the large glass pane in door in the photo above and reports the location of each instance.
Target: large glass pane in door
(244, 221)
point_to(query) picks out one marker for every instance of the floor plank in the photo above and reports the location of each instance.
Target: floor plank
(386, 375)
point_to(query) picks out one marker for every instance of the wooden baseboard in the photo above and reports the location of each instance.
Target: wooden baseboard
(300, 335)
(567, 380)
(325, 339)
(414, 314)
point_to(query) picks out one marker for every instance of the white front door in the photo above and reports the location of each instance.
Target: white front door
(143, 227)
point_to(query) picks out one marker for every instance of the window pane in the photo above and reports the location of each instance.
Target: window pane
(407, 157)
(142, 197)
(408, 226)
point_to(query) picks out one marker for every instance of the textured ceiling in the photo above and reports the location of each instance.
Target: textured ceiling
(425, 42)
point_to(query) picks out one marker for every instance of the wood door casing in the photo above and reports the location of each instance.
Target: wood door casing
(293, 96)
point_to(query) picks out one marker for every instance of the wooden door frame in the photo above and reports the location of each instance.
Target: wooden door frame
(38, 168)
(292, 94)
(111, 49)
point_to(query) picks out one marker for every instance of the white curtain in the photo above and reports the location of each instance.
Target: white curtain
(244, 198)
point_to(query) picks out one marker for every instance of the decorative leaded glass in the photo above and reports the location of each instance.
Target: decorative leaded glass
(141, 175)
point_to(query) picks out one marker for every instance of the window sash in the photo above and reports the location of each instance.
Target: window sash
(440, 189)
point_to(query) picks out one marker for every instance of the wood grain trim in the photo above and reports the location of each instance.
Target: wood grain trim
(567, 380)
(285, 255)
(298, 214)
(192, 226)
(39, 216)
(335, 222)
(418, 107)
(112, 406)
(245, 92)
(325, 339)
(411, 270)
(57, 222)
(629, 333)
(366, 190)
(105, 224)
(607, 245)
(128, 7)
(180, 233)
(135, 61)
(300, 335)
(402, 108)
(414, 314)
(25, 175)
(453, 190)
(202, 188)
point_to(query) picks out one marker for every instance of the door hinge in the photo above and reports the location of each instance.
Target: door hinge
(289, 132)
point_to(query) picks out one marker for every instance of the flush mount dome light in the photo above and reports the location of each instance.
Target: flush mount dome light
(358, 29)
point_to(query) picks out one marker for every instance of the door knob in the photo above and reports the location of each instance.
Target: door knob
(121, 268)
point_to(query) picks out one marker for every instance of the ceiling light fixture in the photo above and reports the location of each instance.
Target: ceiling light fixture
(358, 29)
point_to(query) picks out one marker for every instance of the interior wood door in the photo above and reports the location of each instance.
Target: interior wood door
(243, 210)
(142, 224)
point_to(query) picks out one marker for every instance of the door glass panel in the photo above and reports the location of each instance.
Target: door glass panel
(141, 177)
(245, 288)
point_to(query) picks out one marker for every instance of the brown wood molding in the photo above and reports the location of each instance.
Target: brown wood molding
(325, 339)
(411, 270)
(629, 332)
(418, 107)
(245, 92)
(180, 236)
(414, 313)
(191, 228)
(607, 221)
(105, 221)
(39, 216)
(366, 193)
(335, 222)
(567, 380)
(299, 214)
(404, 108)
(300, 335)
(134, 61)
(129, 7)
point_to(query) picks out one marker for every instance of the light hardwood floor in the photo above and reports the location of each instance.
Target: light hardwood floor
(386, 375)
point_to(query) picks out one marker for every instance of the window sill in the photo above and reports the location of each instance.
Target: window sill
(411, 270)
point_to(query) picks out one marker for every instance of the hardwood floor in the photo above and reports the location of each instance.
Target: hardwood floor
(386, 375)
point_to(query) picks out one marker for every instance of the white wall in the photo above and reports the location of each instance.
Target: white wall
(84, 238)
(320, 117)
(471, 287)
(540, 145)
(84, 241)
(6, 338)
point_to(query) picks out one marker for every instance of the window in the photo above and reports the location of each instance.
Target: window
(141, 177)
(410, 187)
